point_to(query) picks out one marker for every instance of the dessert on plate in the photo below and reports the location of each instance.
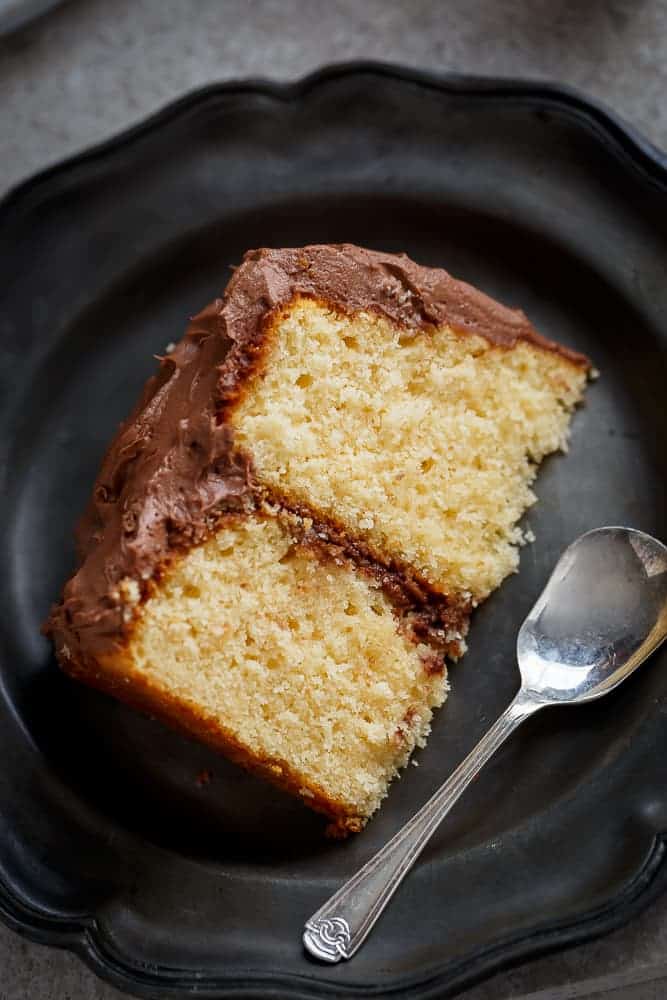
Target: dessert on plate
(289, 533)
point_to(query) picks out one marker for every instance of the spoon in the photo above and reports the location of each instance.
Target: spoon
(603, 611)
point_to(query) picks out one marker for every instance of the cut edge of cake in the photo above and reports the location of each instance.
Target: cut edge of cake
(175, 474)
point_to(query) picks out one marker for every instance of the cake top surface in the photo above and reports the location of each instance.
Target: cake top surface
(355, 279)
(172, 465)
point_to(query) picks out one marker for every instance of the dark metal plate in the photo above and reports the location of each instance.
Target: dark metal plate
(107, 843)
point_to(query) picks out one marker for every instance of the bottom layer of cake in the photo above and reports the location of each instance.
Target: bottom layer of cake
(287, 657)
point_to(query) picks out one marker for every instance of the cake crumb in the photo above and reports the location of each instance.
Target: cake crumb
(204, 778)
(129, 591)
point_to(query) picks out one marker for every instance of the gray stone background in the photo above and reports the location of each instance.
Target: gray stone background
(93, 67)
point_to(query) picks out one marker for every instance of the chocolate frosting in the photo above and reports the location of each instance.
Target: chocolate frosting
(172, 468)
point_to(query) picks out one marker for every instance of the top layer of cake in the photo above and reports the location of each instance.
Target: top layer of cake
(175, 464)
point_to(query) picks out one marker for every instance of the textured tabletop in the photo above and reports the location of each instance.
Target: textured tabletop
(93, 67)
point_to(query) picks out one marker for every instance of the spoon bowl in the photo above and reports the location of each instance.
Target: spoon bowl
(602, 612)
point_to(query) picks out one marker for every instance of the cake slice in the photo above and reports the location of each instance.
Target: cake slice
(288, 534)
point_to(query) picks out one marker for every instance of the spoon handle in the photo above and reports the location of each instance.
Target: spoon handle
(341, 926)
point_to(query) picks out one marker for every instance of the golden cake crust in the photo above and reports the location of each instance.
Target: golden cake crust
(114, 674)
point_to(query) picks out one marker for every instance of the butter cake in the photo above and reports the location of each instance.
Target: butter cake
(288, 535)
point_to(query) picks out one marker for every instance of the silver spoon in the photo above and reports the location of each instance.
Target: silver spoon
(603, 611)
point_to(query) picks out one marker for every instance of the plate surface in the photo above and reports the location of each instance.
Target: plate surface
(108, 844)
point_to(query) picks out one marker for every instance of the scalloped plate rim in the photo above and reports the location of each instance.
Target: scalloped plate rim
(81, 933)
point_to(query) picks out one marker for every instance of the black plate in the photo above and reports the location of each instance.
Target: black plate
(108, 845)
